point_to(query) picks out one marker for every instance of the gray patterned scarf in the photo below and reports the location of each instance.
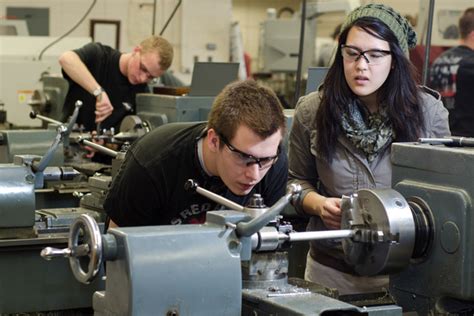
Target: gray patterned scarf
(369, 132)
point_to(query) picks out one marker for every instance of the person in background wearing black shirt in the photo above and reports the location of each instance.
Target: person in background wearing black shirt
(237, 153)
(452, 74)
(106, 80)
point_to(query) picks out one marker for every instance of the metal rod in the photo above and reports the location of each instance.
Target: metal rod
(300, 54)
(43, 163)
(453, 141)
(327, 234)
(171, 17)
(426, 62)
(100, 148)
(75, 114)
(247, 229)
(435, 140)
(219, 199)
(34, 115)
(288, 294)
(153, 20)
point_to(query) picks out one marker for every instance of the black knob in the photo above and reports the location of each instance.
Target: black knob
(190, 184)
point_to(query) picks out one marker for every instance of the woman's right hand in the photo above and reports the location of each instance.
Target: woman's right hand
(328, 208)
(330, 212)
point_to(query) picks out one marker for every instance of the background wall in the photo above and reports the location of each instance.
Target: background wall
(250, 13)
(195, 24)
(200, 30)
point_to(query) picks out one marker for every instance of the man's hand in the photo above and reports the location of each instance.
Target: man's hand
(103, 107)
(330, 211)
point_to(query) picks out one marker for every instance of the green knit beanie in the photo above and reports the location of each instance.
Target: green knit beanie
(399, 25)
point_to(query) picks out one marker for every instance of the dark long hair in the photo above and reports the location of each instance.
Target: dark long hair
(399, 93)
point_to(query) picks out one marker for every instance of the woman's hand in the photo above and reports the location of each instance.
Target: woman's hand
(330, 212)
(328, 208)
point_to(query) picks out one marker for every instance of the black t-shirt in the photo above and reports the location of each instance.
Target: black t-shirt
(462, 117)
(103, 63)
(149, 187)
(444, 73)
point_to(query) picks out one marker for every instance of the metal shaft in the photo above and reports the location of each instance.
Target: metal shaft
(453, 141)
(47, 119)
(435, 140)
(327, 234)
(247, 229)
(100, 148)
(426, 61)
(219, 199)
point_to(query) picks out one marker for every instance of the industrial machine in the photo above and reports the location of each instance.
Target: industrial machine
(149, 270)
(27, 284)
(435, 179)
(28, 141)
(158, 109)
(21, 69)
(418, 232)
(153, 110)
(49, 100)
(47, 105)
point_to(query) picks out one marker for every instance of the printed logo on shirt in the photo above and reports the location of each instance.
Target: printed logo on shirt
(194, 214)
(443, 78)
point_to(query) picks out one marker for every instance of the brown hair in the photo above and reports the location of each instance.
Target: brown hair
(248, 103)
(466, 22)
(162, 47)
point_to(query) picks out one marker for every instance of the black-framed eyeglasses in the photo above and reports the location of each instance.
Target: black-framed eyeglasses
(145, 70)
(245, 159)
(371, 56)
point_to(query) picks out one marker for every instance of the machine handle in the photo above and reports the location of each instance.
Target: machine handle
(247, 229)
(34, 115)
(74, 116)
(100, 148)
(49, 253)
(72, 121)
(43, 163)
(62, 132)
(193, 185)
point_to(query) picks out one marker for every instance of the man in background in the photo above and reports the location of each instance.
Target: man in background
(107, 81)
(452, 75)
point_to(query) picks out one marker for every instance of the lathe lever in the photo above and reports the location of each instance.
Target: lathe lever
(49, 253)
(100, 148)
(34, 115)
(247, 229)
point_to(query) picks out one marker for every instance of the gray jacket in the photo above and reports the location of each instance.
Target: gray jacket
(349, 169)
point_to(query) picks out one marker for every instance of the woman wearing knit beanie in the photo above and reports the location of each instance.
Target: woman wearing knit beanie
(342, 134)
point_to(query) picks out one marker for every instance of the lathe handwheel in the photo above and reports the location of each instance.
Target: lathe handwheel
(90, 247)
